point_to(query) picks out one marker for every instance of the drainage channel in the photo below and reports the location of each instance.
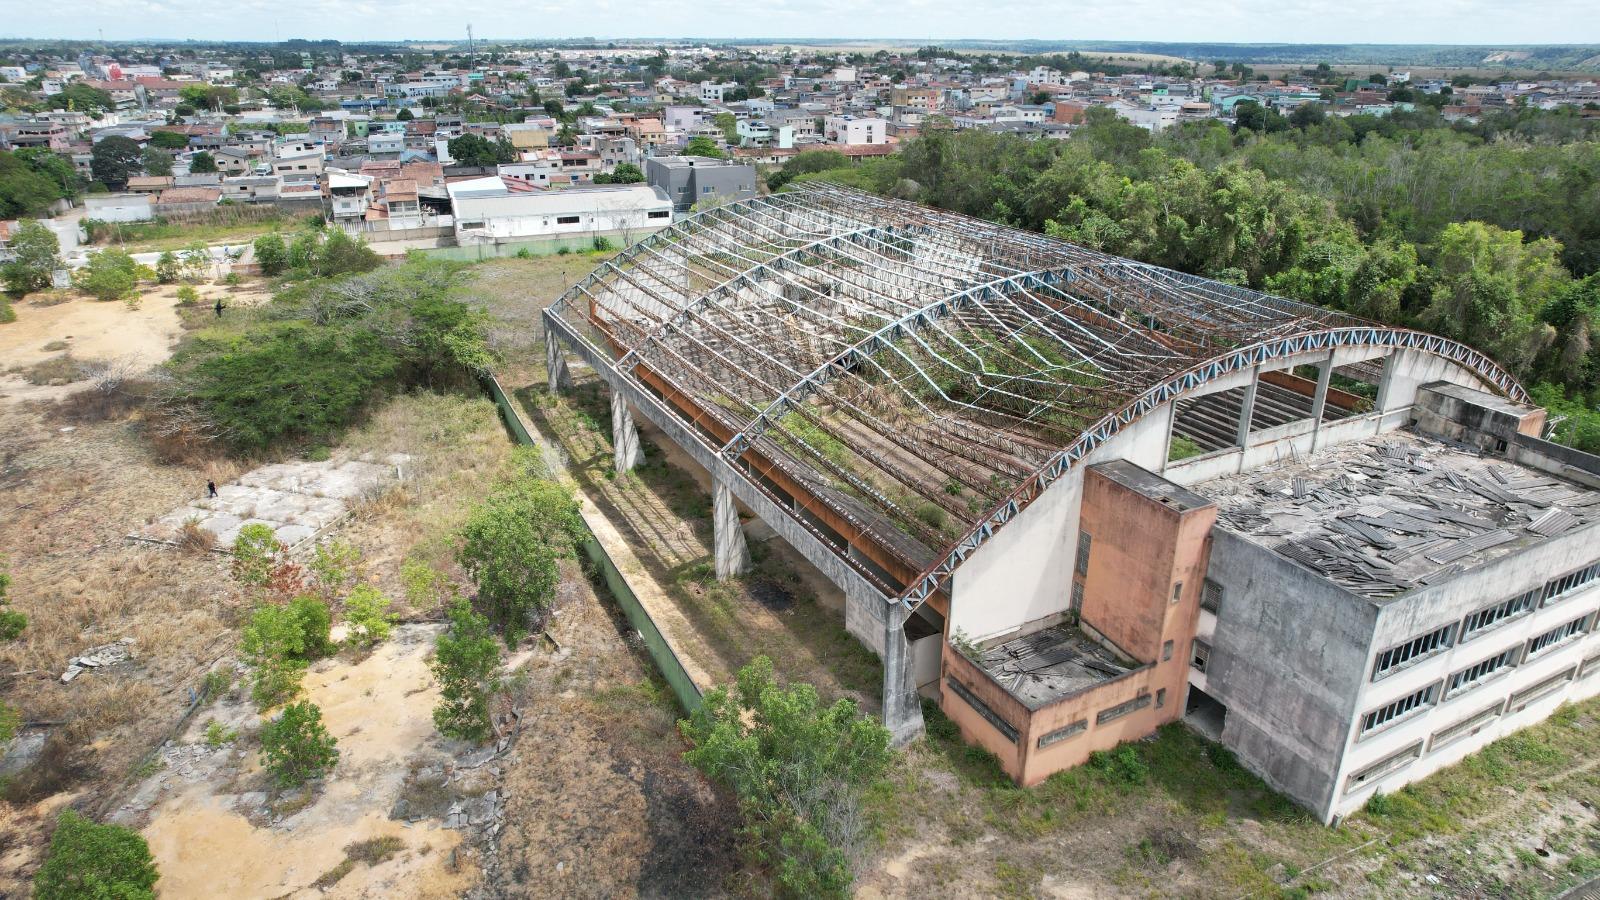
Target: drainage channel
(667, 660)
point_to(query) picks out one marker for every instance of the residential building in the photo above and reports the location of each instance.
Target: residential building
(689, 180)
(493, 210)
(853, 130)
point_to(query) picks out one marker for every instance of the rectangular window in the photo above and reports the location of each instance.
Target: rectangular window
(1399, 710)
(566, 220)
(1559, 588)
(1211, 596)
(1121, 709)
(1418, 648)
(1006, 729)
(1061, 734)
(1166, 651)
(1465, 728)
(1084, 541)
(1557, 636)
(659, 214)
(1480, 673)
(1390, 764)
(1161, 697)
(1529, 695)
(1499, 614)
(1201, 655)
(1177, 591)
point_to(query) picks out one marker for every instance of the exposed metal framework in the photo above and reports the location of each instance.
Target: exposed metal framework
(923, 375)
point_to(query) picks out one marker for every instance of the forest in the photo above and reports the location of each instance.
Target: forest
(1486, 233)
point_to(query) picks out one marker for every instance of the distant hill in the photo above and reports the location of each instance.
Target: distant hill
(1567, 57)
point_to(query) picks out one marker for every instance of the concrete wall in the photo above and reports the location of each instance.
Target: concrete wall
(1419, 612)
(1288, 653)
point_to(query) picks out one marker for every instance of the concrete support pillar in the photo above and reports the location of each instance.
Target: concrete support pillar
(624, 435)
(732, 554)
(1319, 400)
(555, 364)
(902, 708)
(1247, 409)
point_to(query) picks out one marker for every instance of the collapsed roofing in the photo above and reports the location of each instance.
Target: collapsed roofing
(924, 374)
(1398, 511)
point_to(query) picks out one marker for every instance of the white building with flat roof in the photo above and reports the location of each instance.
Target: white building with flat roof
(490, 210)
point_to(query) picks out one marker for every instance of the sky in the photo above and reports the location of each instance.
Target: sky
(1490, 22)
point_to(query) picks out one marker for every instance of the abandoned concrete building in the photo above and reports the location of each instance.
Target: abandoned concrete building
(1075, 497)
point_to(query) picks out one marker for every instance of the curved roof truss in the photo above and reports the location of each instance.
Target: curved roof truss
(927, 375)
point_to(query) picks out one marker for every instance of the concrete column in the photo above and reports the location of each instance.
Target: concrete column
(902, 707)
(1319, 400)
(555, 364)
(732, 554)
(624, 435)
(1247, 409)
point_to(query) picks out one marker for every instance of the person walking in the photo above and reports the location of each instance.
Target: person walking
(219, 307)
(211, 489)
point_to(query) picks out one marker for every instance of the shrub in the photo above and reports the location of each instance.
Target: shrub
(168, 269)
(296, 747)
(274, 647)
(511, 542)
(603, 245)
(335, 565)
(1122, 765)
(255, 552)
(425, 586)
(188, 295)
(464, 662)
(271, 254)
(12, 622)
(218, 734)
(315, 622)
(366, 612)
(90, 860)
(110, 275)
(799, 769)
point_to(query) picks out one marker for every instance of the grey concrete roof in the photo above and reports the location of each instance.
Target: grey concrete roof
(1045, 666)
(1398, 511)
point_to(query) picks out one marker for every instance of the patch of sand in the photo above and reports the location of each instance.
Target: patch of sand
(94, 330)
(380, 711)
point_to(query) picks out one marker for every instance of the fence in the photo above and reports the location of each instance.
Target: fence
(655, 643)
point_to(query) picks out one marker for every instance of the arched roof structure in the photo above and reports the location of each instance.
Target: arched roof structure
(923, 374)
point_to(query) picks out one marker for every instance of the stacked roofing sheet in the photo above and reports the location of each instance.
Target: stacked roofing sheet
(1388, 514)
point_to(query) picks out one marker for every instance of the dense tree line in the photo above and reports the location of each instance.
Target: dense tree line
(1485, 233)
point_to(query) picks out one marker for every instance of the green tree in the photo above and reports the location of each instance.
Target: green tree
(115, 159)
(36, 255)
(256, 551)
(274, 646)
(271, 254)
(1490, 288)
(476, 150)
(404, 115)
(626, 173)
(465, 659)
(156, 161)
(168, 269)
(83, 98)
(366, 613)
(90, 861)
(28, 183)
(511, 542)
(336, 565)
(169, 140)
(700, 145)
(110, 275)
(296, 747)
(203, 162)
(799, 770)
(311, 616)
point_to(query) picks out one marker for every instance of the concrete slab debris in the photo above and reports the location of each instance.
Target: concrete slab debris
(297, 500)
